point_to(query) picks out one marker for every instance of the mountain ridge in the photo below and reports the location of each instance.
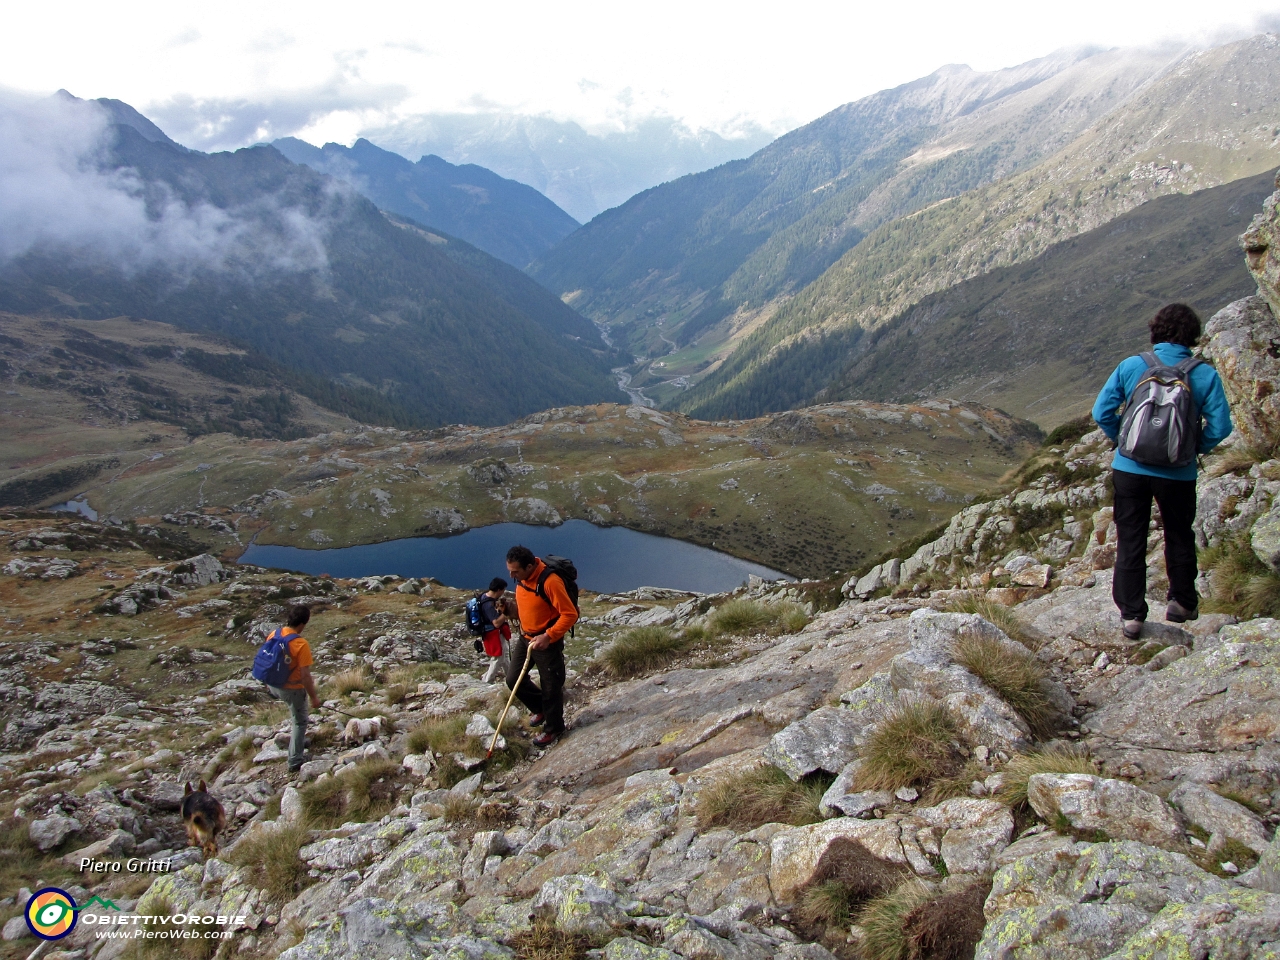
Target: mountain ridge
(502, 217)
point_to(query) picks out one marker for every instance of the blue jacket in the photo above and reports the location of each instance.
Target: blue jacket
(1205, 387)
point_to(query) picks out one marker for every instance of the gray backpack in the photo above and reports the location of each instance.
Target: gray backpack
(1161, 424)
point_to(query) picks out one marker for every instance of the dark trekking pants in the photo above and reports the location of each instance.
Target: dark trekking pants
(1177, 502)
(547, 695)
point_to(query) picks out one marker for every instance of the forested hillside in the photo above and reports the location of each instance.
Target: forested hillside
(509, 220)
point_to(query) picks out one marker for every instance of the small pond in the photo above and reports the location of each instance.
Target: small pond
(609, 559)
(80, 506)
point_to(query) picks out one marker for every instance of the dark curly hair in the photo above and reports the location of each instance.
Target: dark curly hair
(521, 555)
(1175, 323)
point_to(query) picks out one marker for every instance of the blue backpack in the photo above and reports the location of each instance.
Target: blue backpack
(477, 623)
(272, 663)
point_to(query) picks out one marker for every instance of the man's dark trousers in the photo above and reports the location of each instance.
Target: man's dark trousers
(1177, 502)
(549, 699)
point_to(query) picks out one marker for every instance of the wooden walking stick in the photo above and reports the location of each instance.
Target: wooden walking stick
(528, 656)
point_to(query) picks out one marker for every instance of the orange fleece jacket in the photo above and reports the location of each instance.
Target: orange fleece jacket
(536, 615)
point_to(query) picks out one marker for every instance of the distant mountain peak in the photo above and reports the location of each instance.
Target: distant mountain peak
(121, 113)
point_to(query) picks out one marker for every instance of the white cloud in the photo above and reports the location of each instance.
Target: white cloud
(605, 66)
(60, 194)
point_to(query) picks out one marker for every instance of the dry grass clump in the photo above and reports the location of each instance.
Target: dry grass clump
(365, 792)
(642, 649)
(883, 920)
(846, 876)
(763, 794)
(351, 680)
(911, 748)
(1017, 677)
(545, 941)
(1000, 615)
(743, 617)
(1057, 759)
(949, 925)
(1242, 584)
(271, 862)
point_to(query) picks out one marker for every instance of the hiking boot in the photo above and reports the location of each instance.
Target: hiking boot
(545, 739)
(537, 720)
(1177, 613)
(1132, 629)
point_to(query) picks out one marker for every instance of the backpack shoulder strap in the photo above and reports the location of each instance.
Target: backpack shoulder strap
(542, 586)
(1150, 358)
(1189, 364)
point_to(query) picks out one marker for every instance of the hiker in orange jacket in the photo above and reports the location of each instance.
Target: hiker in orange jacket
(543, 625)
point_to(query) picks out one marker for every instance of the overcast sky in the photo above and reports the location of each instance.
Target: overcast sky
(230, 73)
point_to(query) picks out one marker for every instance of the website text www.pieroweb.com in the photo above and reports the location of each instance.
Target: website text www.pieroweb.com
(53, 914)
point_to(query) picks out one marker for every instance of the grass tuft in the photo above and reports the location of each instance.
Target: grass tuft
(366, 792)
(825, 904)
(197, 948)
(349, 681)
(271, 862)
(1057, 759)
(1017, 677)
(1242, 584)
(911, 748)
(999, 615)
(763, 794)
(445, 736)
(545, 941)
(743, 617)
(883, 920)
(642, 649)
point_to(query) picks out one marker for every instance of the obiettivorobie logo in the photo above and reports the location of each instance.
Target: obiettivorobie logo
(52, 913)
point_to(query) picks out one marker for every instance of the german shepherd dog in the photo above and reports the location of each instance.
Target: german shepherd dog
(204, 818)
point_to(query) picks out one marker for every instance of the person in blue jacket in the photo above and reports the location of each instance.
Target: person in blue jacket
(1175, 329)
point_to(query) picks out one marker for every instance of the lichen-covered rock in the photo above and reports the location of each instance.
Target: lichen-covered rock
(1116, 808)
(843, 798)
(795, 852)
(1219, 815)
(1243, 342)
(624, 948)
(51, 831)
(974, 832)
(1224, 696)
(1265, 537)
(827, 739)
(1120, 900)
(577, 904)
(424, 862)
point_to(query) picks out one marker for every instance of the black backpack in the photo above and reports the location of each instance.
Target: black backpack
(563, 568)
(1161, 423)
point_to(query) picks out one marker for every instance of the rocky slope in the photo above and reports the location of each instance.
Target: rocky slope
(963, 757)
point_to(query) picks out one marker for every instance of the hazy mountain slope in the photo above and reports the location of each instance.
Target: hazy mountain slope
(314, 277)
(584, 172)
(1038, 339)
(689, 253)
(512, 221)
(1212, 119)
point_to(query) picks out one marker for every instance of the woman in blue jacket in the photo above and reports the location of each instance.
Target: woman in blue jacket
(1175, 329)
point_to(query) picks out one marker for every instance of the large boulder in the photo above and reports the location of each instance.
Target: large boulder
(1220, 816)
(1116, 808)
(578, 904)
(1224, 696)
(1261, 243)
(1086, 901)
(1244, 345)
